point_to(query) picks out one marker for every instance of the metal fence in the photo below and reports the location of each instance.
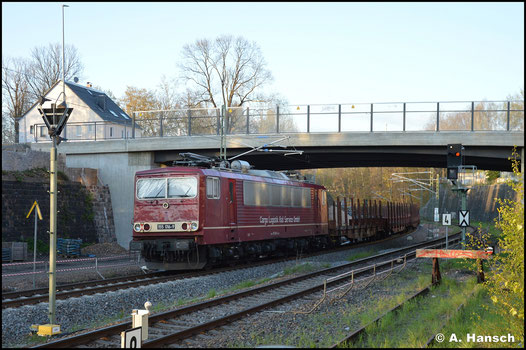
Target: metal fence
(95, 263)
(471, 116)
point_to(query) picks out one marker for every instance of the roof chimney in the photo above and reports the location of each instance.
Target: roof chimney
(88, 84)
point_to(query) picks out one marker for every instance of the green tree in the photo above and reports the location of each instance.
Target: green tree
(506, 280)
(492, 175)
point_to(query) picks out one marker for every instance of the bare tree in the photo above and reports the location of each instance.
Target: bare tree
(15, 97)
(173, 118)
(166, 94)
(224, 71)
(45, 68)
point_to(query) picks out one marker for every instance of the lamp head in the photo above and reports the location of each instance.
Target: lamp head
(42, 100)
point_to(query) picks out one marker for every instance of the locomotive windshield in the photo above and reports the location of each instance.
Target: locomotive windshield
(175, 187)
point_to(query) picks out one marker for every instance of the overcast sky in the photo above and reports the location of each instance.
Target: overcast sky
(317, 52)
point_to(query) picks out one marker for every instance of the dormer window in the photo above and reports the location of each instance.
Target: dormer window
(101, 102)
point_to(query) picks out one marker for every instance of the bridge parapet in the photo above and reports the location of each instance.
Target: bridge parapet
(385, 117)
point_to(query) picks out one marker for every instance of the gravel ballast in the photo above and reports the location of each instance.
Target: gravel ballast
(82, 312)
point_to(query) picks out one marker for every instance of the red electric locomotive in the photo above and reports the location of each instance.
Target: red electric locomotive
(186, 217)
(208, 212)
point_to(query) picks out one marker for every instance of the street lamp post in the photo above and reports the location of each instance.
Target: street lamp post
(63, 56)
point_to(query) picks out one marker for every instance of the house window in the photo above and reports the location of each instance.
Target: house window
(31, 129)
(79, 130)
(111, 131)
(42, 131)
(90, 128)
(122, 134)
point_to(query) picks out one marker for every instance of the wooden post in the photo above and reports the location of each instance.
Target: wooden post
(479, 255)
(480, 271)
(435, 275)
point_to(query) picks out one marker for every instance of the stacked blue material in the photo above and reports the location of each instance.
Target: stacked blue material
(6, 254)
(68, 247)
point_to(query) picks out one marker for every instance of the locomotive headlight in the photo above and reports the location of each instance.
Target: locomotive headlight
(147, 227)
(194, 226)
(137, 227)
(184, 226)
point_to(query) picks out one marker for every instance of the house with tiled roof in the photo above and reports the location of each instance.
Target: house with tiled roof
(95, 116)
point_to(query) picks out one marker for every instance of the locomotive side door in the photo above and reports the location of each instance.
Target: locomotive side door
(316, 207)
(232, 210)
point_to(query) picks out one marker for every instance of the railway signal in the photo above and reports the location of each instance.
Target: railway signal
(463, 218)
(454, 160)
(55, 119)
(455, 163)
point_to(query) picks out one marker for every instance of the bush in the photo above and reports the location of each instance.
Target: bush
(506, 282)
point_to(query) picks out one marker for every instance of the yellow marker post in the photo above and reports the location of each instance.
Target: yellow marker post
(35, 204)
(37, 212)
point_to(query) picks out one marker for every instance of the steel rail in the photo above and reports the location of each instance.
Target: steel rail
(116, 329)
(34, 296)
(69, 286)
(168, 339)
(432, 339)
(354, 335)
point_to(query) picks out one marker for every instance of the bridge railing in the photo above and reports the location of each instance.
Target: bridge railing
(506, 116)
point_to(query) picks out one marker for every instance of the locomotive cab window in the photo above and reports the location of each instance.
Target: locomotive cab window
(212, 187)
(177, 187)
(151, 188)
(182, 187)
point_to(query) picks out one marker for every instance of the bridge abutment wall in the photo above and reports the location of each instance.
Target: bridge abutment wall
(117, 170)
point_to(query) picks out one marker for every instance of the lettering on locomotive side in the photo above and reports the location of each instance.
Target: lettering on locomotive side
(279, 220)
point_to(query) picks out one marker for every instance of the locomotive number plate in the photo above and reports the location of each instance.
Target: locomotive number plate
(166, 226)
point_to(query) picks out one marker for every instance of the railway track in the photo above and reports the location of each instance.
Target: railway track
(360, 335)
(35, 296)
(175, 325)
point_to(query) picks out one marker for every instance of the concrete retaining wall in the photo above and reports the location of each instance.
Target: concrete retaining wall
(480, 202)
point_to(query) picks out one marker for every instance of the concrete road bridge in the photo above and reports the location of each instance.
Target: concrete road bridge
(334, 143)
